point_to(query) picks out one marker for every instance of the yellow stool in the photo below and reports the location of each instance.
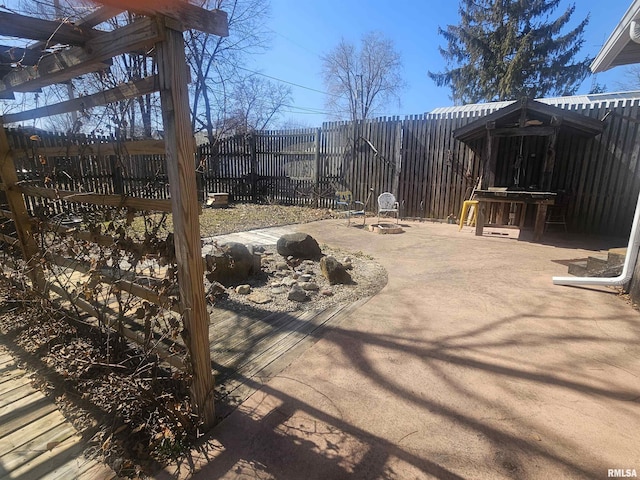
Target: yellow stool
(465, 210)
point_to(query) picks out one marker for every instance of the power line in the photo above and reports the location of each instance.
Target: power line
(290, 83)
(294, 42)
(307, 109)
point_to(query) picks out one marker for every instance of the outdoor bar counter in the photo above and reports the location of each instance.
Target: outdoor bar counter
(525, 197)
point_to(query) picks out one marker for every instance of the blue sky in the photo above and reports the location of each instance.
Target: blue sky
(303, 31)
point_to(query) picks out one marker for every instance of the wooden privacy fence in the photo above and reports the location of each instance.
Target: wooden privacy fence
(416, 158)
(431, 173)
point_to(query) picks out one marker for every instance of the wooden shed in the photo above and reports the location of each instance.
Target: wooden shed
(517, 143)
(517, 148)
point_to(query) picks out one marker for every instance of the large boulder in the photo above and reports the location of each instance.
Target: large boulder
(299, 245)
(334, 271)
(230, 264)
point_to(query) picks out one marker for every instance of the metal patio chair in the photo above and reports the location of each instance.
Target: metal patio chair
(387, 204)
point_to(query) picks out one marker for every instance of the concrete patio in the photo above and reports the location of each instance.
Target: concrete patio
(468, 364)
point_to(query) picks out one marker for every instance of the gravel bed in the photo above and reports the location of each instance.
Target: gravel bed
(274, 283)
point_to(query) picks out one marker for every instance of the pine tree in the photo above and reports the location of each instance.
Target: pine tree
(507, 49)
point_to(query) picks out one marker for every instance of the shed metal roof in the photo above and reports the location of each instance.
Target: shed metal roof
(529, 117)
(593, 100)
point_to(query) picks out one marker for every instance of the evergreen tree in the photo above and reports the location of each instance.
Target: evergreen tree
(507, 49)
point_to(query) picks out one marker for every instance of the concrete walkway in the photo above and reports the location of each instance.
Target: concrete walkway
(468, 364)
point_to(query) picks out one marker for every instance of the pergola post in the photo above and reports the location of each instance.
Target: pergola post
(24, 231)
(180, 153)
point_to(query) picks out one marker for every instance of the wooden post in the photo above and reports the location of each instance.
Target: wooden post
(491, 155)
(397, 160)
(180, 149)
(254, 167)
(480, 217)
(116, 173)
(541, 216)
(318, 168)
(21, 219)
(549, 162)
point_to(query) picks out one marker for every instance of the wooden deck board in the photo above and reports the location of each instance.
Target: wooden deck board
(36, 440)
(48, 425)
(15, 394)
(80, 468)
(24, 415)
(242, 383)
(9, 382)
(251, 347)
(35, 445)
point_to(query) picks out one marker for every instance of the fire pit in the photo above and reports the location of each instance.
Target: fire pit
(385, 228)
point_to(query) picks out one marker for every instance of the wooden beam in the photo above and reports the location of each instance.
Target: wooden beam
(523, 132)
(112, 322)
(94, 18)
(24, 56)
(8, 239)
(174, 95)
(102, 240)
(52, 32)
(187, 15)
(123, 91)
(21, 219)
(53, 68)
(162, 301)
(134, 147)
(114, 278)
(95, 55)
(98, 16)
(120, 201)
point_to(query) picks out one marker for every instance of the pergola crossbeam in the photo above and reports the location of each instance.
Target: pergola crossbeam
(95, 55)
(123, 91)
(49, 31)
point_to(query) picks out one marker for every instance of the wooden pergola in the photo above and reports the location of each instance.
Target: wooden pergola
(84, 49)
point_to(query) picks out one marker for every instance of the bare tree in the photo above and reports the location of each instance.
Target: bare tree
(361, 81)
(216, 62)
(256, 103)
(631, 79)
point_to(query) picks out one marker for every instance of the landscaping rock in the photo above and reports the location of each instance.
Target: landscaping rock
(334, 271)
(288, 281)
(309, 286)
(260, 298)
(216, 288)
(279, 290)
(232, 263)
(282, 266)
(243, 289)
(306, 277)
(327, 292)
(297, 294)
(299, 245)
